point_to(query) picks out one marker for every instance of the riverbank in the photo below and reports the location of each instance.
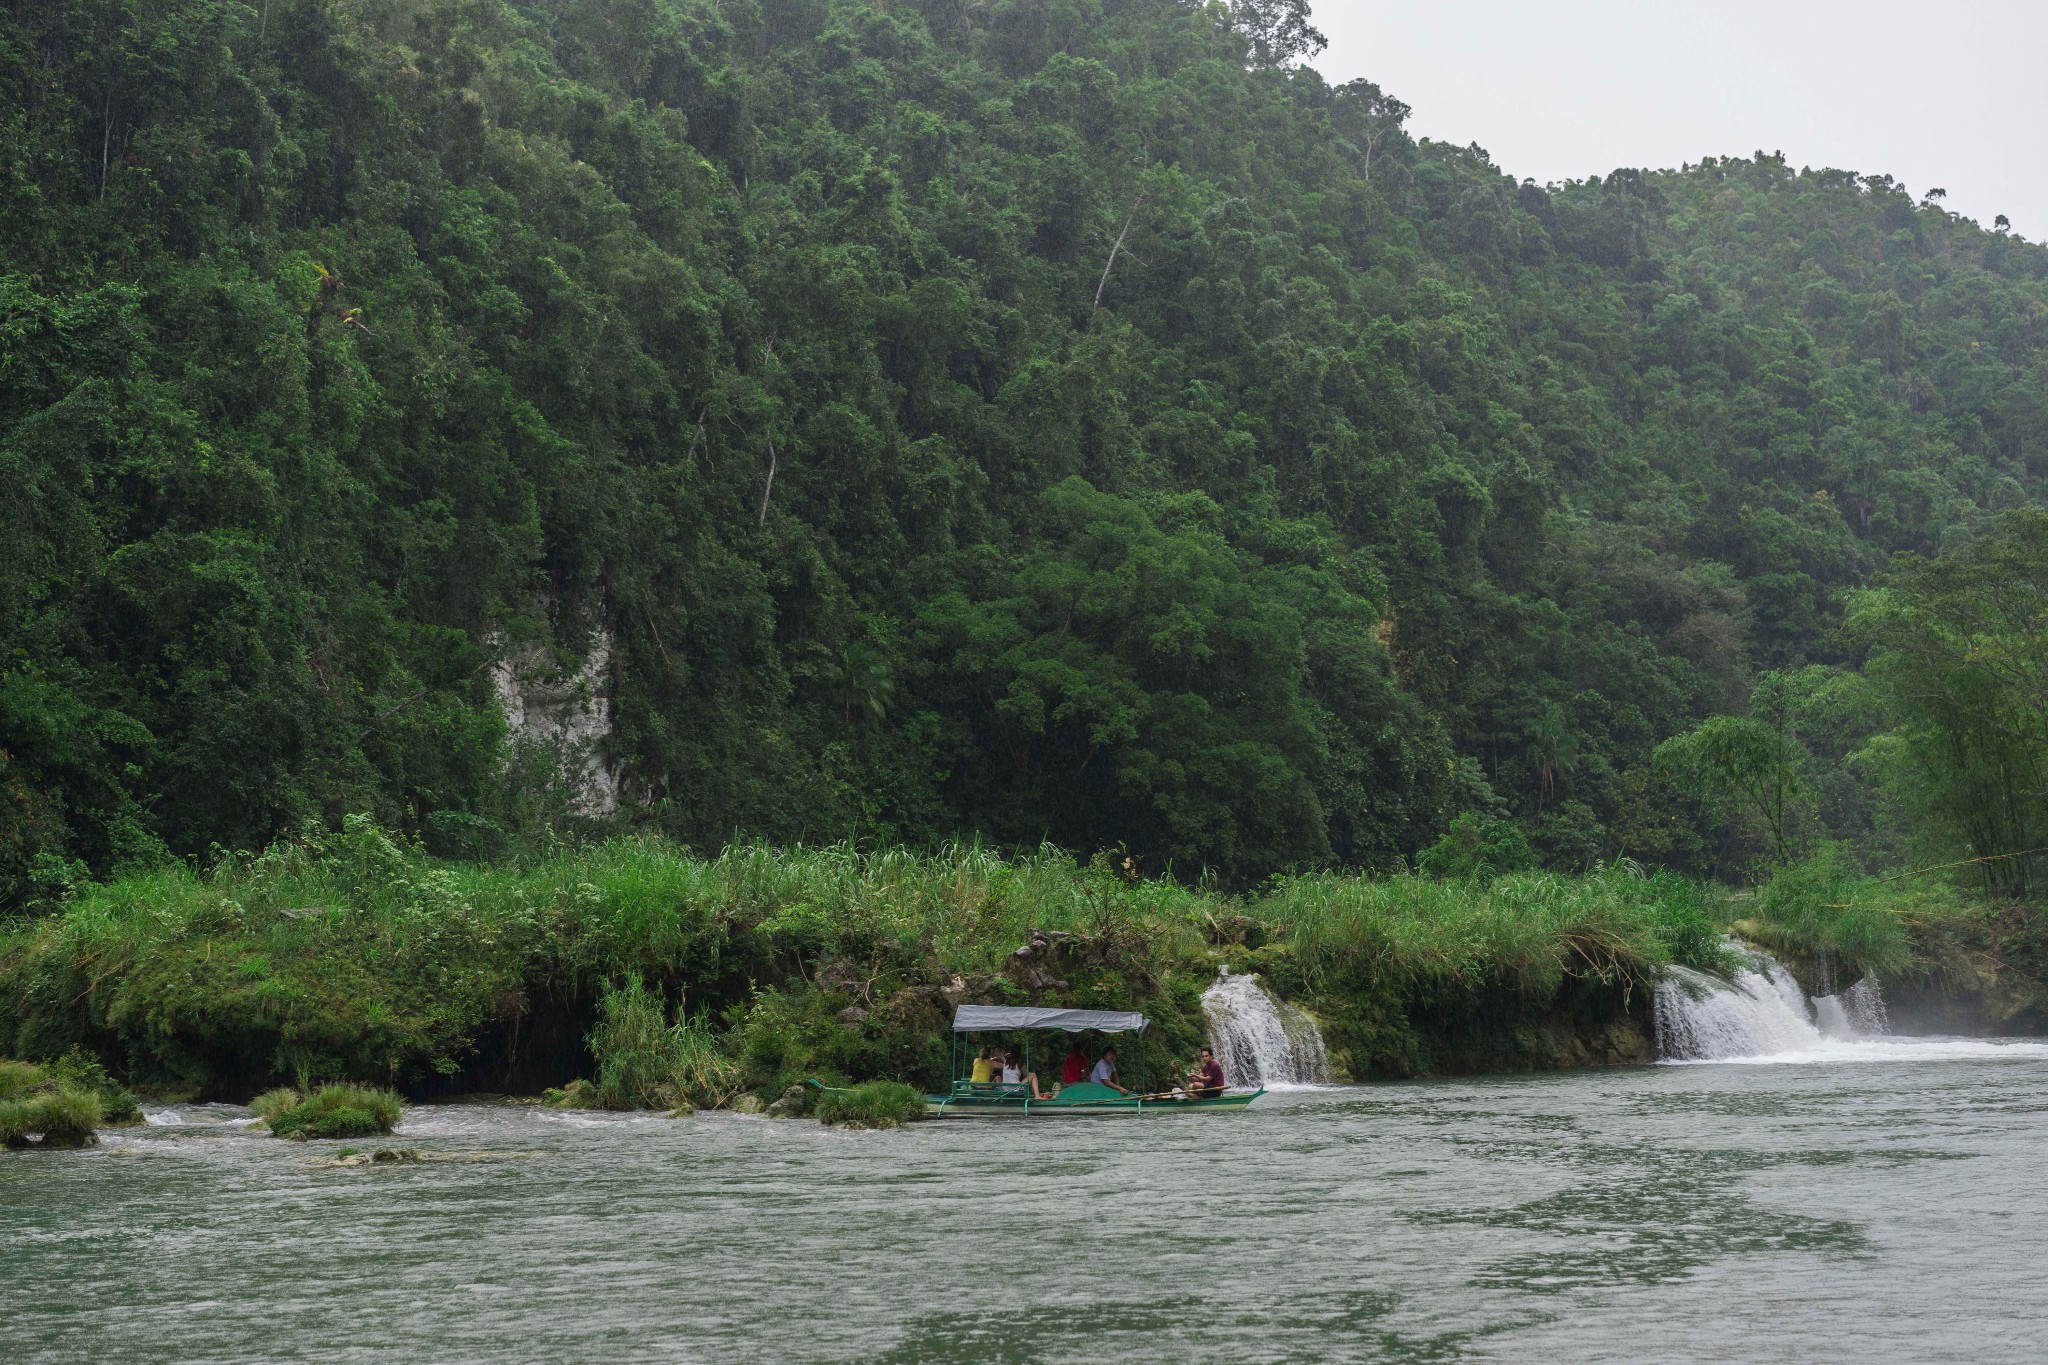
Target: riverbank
(352, 955)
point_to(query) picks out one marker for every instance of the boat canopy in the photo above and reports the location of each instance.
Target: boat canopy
(1003, 1018)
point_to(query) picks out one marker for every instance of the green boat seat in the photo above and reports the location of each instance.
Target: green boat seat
(1085, 1092)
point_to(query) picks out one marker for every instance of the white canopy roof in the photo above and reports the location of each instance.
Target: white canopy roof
(1003, 1018)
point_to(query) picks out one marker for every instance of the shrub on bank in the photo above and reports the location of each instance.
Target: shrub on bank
(38, 1108)
(339, 1111)
(871, 1104)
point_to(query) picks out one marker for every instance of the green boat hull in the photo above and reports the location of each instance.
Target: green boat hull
(1073, 1102)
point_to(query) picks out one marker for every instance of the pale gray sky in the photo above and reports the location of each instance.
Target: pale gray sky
(1951, 94)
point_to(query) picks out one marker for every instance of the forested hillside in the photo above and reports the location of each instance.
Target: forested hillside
(1065, 419)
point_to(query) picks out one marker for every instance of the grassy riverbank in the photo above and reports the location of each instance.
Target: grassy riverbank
(352, 956)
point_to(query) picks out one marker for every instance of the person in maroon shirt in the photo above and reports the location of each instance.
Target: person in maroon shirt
(1206, 1079)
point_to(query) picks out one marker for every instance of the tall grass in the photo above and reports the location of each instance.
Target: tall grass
(1524, 932)
(351, 954)
(1827, 910)
(644, 1062)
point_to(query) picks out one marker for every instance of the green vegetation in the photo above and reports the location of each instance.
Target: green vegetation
(930, 431)
(1039, 419)
(357, 955)
(339, 1111)
(646, 1063)
(38, 1108)
(871, 1104)
(272, 1103)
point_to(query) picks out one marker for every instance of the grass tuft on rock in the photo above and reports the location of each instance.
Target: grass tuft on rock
(271, 1103)
(871, 1104)
(340, 1111)
(38, 1109)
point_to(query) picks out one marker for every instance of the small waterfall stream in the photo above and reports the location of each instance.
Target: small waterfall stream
(1260, 1040)
(1762, 1013)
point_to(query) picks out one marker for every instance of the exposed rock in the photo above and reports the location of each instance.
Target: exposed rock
(567, 714)
(853, 1016)
(748, 1104)
(791, 1105)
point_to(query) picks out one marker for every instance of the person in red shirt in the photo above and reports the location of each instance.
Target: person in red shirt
(1206, 1078)
(1075, 1067)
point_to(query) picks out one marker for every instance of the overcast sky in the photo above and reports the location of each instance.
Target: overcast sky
(1937, 93)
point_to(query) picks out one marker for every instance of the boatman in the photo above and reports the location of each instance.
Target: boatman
(1105, 1071)
(1207, 1077)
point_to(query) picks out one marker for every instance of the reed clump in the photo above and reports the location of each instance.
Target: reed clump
(40, 1109)
(871, 1104)
(645, 1062)
(272, 1103)
(339, 1110)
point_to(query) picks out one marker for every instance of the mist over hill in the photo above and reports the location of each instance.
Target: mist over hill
(1023, 419)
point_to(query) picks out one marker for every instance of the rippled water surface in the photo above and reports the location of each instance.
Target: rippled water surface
(1883, 1210)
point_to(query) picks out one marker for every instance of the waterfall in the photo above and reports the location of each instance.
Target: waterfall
(1761, 1013)
(1260, 1040)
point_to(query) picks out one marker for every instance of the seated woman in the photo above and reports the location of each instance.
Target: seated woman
(987, 1064)
(1014, 1074)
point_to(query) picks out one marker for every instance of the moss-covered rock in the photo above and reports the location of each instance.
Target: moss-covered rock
(577, 1094)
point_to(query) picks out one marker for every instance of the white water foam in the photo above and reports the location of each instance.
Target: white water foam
(1260, 1040)
(1762, 1016)
(162, 1118)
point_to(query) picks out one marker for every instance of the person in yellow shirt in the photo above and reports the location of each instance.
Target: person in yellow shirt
(985, 1064)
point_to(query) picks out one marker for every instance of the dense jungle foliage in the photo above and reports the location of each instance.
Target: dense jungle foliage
(1019, 419)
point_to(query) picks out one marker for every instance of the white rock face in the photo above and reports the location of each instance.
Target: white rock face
(568, 714)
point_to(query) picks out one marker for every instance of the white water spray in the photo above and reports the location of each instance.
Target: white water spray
(1763, 1016)
(1260, 1040)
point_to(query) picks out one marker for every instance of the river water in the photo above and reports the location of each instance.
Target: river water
(1835, 1209)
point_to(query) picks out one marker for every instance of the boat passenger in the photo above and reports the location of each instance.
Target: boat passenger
(1206, 1078)
(986, 1066)
(1014, 1074)
(1105, 1071)
(1075, 1068)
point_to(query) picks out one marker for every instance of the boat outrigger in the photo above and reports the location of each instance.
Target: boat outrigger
(971, 1099)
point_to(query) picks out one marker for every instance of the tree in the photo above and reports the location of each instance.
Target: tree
(1750, 764)
(1960, 644)
(1370, 117)
(1278, 30)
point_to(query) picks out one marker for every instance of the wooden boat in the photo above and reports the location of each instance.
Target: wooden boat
(968, 1099)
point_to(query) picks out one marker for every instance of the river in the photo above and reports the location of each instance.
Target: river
(1894, 1207)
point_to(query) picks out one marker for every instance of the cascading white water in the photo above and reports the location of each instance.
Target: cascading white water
(1762, 1013)
(1260, 1040)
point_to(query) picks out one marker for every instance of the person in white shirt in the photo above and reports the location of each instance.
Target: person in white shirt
(1105, 1071)
(1015, 1074)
